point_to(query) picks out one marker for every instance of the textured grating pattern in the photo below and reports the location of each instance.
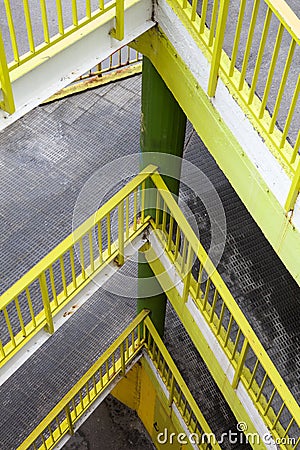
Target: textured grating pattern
(258, 281)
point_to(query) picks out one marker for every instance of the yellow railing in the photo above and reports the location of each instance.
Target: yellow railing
(67, 20)
(250, 361)
(123, 57)
(141, 333)
(33, 301)
(84, 393)
(179, 394)
(226, 39)
(62, 23)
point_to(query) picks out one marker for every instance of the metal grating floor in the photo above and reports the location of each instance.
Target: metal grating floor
(45, 159)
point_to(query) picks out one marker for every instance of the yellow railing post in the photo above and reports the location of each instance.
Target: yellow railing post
(69, 420)
(240, 364)
(294, 190)
(123, 362)
(7, 103)
(118, 31)
(217, 50)
(46, 302)
(121, 233)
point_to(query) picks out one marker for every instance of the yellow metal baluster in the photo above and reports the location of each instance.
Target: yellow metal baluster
(9, 327)
(188, 269)
(108, 234)
(143, 187)
(127, 217)
(118, 31)
(296, 148)
(45, 21)
(278, 416)
(74, 13)
(73, 267)
(207, 287)
(46, 303)
(237, 37)
(228, 331)
(213, 306)
(81, 251)
(271, 70)
(260, 55)
(88, 9)
(91, 251)
(60, 19)
(101, 4)
(135, 208)
(240, 364)
(248, 44)
(100, 246)
(121, 233)
(69, 420)
(170, 235)
(63, 275)
(29, 26)
(285, 74)
(29, 301)
(8, 103)
(157, 209)
(214, 19)
(52, 282)
(194, 10)
(203, 16)
(294, 191)
(21, 321)
(221, 318)
(217, 50)
(12, 31)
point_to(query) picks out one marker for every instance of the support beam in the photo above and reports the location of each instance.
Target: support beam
(162, 132)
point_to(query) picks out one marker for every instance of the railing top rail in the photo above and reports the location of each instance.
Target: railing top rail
(74, 237)
(226, 295)
(81, 383)
(286, 16)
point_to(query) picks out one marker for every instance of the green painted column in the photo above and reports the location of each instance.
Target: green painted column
(163, 126)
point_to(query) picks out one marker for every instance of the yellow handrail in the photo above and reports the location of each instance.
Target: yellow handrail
(261, 111)
(82, 395)
(223, 315)
(45, 289)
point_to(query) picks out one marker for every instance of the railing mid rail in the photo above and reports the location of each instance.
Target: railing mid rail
(255, 48)
(33, 301)
(250, 361)
(141, 333)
